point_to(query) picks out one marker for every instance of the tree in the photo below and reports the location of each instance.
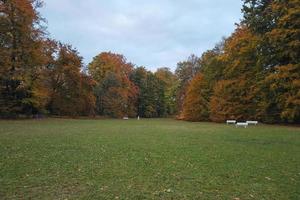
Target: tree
(195, 106)
(154, 96)
(115, 92)
(240, 55)
(70, 91)
(87, 98)
(139, 78)
(21, 34)
(212, 64)
(277, 24)
(169, 83)
(236, 95)
(281, 95)
(185, 72)
(109, 62)
(230, 100)
(258, 15)
(114, 97)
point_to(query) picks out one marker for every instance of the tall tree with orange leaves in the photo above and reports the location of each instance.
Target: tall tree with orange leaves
(235, 95)
(277, 24)
(70, 91)
(196, 102)
(116, 94)
(21, 33)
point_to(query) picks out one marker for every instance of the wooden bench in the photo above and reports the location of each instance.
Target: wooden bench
(252, 122)
(244, 124)
(230, 121)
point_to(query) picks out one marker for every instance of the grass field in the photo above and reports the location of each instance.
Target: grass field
(147, 159)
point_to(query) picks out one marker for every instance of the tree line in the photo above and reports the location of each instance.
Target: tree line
(252, 74)
(42, 76)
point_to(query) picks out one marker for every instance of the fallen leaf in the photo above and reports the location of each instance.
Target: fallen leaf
(268, 178)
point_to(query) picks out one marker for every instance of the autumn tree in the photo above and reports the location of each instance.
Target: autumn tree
(212, 66)
(281, 102)
(277, 24)
(87, 99)
(70, 91)
(115, 92)
(236, 95)
(185, 72)
(229, 101)
(209, 69)
(196, 102)
(21, 34)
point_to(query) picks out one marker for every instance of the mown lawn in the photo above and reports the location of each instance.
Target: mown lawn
(147, 159)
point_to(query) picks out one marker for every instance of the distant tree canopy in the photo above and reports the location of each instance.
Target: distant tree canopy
(115, 92)
(156, 95)
(123, 90)
(185, 72)
(252, 74)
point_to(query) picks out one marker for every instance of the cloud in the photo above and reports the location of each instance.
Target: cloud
(150, 33)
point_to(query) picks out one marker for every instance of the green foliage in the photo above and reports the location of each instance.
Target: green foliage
(212, 66)
(185, 72)
(258, 15)
(168, 82)
(116, 94)
(154, 97)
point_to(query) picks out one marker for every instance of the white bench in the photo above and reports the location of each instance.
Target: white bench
(230, 121)
(125, 118)
(244, 124)
(252, 122)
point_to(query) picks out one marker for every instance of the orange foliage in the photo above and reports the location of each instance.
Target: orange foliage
(116, 94)
(232, 99)
(195, 106)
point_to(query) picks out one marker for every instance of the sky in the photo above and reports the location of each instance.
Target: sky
(156, 33)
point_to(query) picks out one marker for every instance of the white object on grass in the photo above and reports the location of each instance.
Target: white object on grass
(230, 121)
(244, 124)
(252, 122)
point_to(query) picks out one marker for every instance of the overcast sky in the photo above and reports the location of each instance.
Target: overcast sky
(156, 33)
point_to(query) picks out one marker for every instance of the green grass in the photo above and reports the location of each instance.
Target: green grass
(147, 159)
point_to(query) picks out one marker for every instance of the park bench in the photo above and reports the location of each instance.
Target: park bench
(252, 122)
(230, 121)
(244, 124)
(125, 118)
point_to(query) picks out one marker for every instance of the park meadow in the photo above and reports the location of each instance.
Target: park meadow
(88, 123)
(147, 159)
